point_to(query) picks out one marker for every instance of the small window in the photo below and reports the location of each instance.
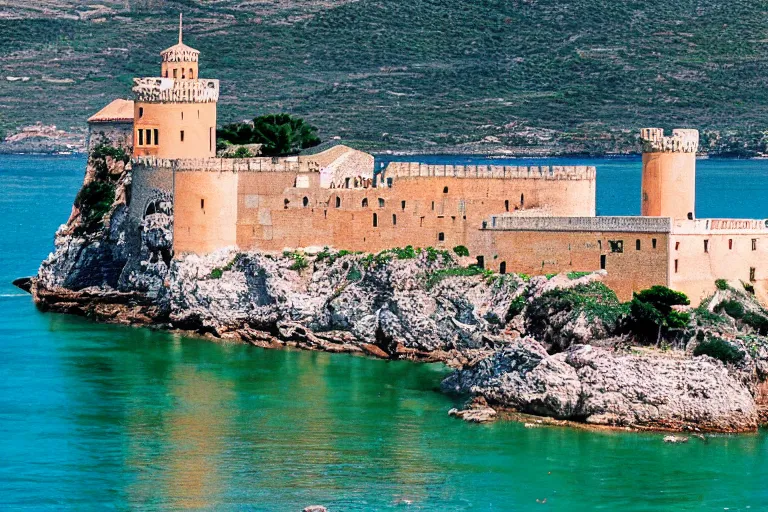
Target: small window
(600, 244)
(653, 243)
(210, 139)
(305, 201)
(481, 261)
(433, 205)
(365, 202)
(730, 243)
(445, 190)
(522, 200)
(754, 244)
(394, 219)
(166, 73)
(676, 266)
(752, 274)
(182, 135)
(706, 245)
(141, 112)
(602, 262)
(346, 182)
(441, 237)
(149, 137)
(616, 245)
(381, 203)
(690, 215)
(637, 244)
(677, 246)
(503, 267)
(182, 116)
(141, 137)
(389, 182)
(183, 73)
(191, 73)
(156, 133)
(375, 220)
(402, 205)
(202, 204)
(338, 202)
(175, 73)
(286, 202)
(506, 205)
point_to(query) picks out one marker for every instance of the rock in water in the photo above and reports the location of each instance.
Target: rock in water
(477, 411)
(315, 508)
(601, 387)
(675, 439)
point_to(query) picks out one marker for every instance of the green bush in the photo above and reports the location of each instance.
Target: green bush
(103, 150)
(721, 284)
(515, 307)
(758, 322)
(279, 134)
(461, 250)
(439, 275)
(732, 308)
(594, 299)
(299, 262)
(719, 349)
(216, 273)
(652, 313)
(577, 275)
(354, 274)
(94, 201)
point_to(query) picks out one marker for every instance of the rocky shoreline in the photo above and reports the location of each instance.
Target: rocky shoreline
(557, 346)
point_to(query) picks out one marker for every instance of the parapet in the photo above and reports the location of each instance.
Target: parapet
(720, 226)
(597, 224)
(168, 90)
(226, 164)
(419, 170)
(681, 141)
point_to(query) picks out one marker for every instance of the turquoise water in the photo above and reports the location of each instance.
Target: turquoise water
(95, 417)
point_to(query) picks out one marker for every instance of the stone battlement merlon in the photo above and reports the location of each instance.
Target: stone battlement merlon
(169, 90)
(419, 170)
(586, 224)
(681, 141)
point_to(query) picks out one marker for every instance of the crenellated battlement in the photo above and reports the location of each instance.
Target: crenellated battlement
(168, 90)
(681, 141)
(585, 224)
(263, 164)
(419, 170)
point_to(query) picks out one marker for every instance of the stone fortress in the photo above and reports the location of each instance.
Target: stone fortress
(533, 220)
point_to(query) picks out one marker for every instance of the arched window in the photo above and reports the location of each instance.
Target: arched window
(305, 201)
(637, 244)
(365, 202)
(375, 220)
(445, 190)
(338, 202)
(381, 203)
(402, 205)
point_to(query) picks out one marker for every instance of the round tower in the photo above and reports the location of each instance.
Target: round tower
(175, 113)
(669, 173)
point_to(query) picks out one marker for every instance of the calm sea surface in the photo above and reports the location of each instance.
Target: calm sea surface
(97, 417)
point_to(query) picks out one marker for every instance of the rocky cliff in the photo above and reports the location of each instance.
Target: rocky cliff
(561, 346)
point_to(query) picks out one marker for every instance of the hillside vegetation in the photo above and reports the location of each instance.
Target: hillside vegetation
(418, 75)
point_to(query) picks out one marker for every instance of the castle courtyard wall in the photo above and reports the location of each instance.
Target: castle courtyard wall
(733, 248)
(205, 211)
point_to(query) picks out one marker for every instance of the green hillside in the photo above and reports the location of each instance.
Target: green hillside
(415, 75)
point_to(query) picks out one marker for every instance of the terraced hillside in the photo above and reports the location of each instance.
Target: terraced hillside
(423, 74)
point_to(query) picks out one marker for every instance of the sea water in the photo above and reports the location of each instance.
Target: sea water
(96, 417)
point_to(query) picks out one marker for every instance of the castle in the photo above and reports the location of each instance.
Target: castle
(533, 220)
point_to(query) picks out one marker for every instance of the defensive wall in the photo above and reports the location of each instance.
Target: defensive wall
(633, 250)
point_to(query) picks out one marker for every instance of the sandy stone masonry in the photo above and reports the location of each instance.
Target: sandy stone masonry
(417, 170)
(593, 224)
(168, 90)
(681, 141)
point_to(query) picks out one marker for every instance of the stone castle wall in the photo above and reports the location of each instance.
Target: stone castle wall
(115, 133)
(415, 169)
